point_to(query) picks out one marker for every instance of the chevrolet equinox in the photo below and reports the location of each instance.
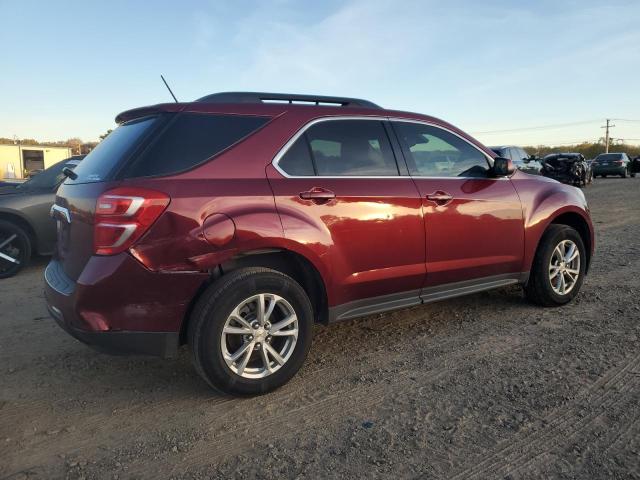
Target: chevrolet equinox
(235, 222)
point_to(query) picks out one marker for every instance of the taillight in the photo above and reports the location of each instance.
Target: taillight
(618, 162)
(123, 215)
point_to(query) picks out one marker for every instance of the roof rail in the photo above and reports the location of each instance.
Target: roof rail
(291, 98)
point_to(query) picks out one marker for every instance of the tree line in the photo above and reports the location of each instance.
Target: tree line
(589, 150)
(77, 146)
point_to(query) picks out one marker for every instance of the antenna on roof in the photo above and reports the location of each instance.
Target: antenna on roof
(169, 88)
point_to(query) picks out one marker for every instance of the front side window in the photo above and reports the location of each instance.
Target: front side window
(342, 148)
(433, 152)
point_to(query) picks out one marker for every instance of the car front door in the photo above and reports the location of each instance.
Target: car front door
(342, 196)
(473, 221)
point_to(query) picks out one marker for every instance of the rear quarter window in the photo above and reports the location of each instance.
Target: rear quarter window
(190, 139)
(98, 165)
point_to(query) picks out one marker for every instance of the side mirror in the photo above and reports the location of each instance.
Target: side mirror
(502, 167)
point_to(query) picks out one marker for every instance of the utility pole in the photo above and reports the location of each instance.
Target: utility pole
(606, 134)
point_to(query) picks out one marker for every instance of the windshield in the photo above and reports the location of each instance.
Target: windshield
(49, 178)
(608, 157)
(102, 160)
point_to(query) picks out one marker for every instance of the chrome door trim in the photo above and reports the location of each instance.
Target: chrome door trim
(376, 118)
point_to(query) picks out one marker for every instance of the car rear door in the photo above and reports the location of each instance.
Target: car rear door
(342, 197)
(473, 222)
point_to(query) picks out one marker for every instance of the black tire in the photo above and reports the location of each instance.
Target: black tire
(19, 248)
(604, 176)
(214, 307)
(538, 288)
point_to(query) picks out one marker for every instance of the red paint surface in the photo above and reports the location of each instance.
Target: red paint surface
(376, 237)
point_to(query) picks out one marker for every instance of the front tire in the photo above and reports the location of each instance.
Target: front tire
(251, 331)
(558, 268)
(15, 249)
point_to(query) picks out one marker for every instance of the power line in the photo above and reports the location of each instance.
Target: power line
(541, 127)
(573, 142)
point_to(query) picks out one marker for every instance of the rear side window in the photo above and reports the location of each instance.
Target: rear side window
(342, 148)
(297, 161)
(351, 148)
(97, 166)
(190, 139)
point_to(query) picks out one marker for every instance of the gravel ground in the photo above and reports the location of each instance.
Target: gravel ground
(485, 386)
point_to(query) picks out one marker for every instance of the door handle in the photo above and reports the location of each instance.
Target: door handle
(318, 194)
(440, 197)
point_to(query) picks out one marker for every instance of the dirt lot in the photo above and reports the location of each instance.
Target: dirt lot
(485, 386)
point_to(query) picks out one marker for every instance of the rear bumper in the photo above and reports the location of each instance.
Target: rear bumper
(617, 170)
(162, 344)
(118, 306)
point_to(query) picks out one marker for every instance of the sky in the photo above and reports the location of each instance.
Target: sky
(493, 68)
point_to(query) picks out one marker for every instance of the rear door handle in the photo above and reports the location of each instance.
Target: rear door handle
(440, 197)
(318, 194)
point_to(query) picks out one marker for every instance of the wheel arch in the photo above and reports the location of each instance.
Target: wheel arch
(286, 261)
(580, 224)
(21, 222)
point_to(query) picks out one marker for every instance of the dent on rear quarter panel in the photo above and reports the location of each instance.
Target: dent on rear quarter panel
(543, 201)
(177, 242)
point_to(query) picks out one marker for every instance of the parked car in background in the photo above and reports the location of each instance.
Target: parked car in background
(612, 164)
(635, 165)
(25, 223)
(235, 222)
(520, 158)
(569, 168)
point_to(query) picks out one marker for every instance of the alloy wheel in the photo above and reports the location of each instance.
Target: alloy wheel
(11, 252)
(259, 336)
(564, 267)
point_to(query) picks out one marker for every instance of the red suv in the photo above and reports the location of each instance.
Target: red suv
(235, 222)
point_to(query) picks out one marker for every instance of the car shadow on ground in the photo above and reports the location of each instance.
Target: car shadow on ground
(154, 379)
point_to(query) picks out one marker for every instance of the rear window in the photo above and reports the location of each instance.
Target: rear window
(97, 166)
(190, 139)
(607, 157)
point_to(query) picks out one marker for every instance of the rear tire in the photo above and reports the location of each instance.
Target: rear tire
(544, 288)
(239, 351)
(15, 249)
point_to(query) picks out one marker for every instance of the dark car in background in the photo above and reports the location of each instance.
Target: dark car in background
(25, 222)
(569, 168)
(613, 164)
(520, 158)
